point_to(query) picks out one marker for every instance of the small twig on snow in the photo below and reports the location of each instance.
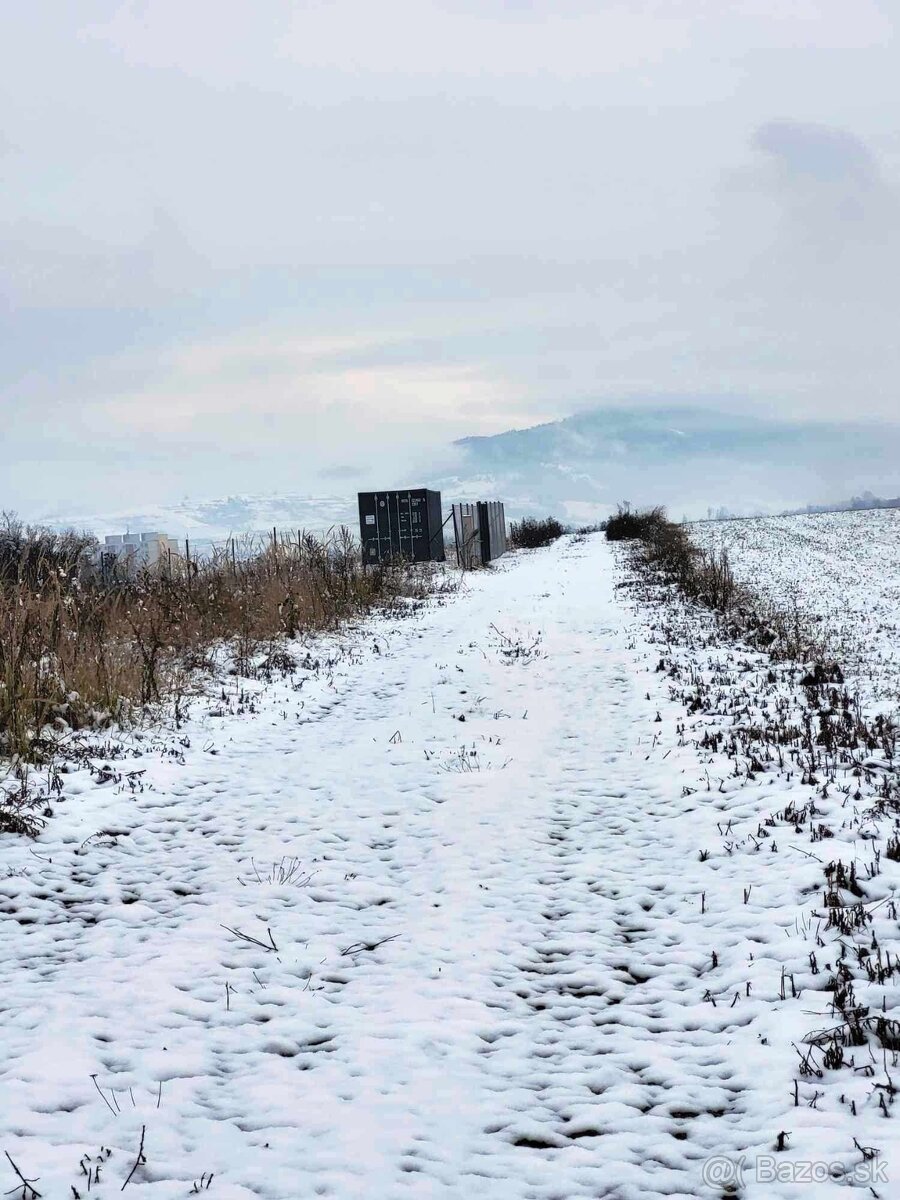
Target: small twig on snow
(357, 946)
(102, 1097)
(138, 1161)
(29, 1192)
(255, 941)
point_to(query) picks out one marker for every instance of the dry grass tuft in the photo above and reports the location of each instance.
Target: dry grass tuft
(80, 650)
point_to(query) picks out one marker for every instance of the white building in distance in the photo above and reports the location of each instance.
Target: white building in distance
(133, 552)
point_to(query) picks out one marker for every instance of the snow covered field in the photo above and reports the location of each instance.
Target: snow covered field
(843, 567)
(469, 905)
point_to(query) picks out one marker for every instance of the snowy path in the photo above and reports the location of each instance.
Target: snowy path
(496, 982)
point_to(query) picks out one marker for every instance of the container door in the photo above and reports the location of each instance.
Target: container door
(368, 526)
(405, 546)
(418, 529)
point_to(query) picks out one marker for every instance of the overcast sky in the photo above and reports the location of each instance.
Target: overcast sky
(260, 245)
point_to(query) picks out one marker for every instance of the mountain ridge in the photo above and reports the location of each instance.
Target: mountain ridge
(684, 456)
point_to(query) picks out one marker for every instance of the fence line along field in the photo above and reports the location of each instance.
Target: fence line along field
(840, 568)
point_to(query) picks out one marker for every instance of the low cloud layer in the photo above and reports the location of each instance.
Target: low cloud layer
(256, 247)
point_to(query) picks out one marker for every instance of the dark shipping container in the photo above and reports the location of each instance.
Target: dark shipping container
(403, 524)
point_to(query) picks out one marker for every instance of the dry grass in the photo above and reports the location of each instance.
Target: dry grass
(30, 555)
(663, 551)
(78, 650)
(666, 549)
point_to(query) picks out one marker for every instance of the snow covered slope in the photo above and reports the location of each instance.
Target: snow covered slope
(494, 962)
(841, 567)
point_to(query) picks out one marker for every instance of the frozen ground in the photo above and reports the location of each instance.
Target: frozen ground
(461, 909)
(843, 567)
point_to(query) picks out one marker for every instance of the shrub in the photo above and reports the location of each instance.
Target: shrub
(626, 525)
(529, 533)
(78, 649)
(33, 556)
(666, 549)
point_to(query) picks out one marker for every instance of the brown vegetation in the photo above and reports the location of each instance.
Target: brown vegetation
(530, 533)
(80, 649)
(663, 551)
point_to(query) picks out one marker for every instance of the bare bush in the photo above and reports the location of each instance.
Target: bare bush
(530, 533)
(664, 551)
(79, 649)
(627, 525)
(32, 555)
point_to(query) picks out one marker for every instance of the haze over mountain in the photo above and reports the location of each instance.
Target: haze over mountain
(685, 457)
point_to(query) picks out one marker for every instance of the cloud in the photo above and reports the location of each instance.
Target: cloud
(818, 152)
(829, 182)
(250, 242)
(343, 471)
(840, 213)
(283, 371)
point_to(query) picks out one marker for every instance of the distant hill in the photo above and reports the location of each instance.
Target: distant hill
(693, 460)
(686, 457)
(855, 504)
